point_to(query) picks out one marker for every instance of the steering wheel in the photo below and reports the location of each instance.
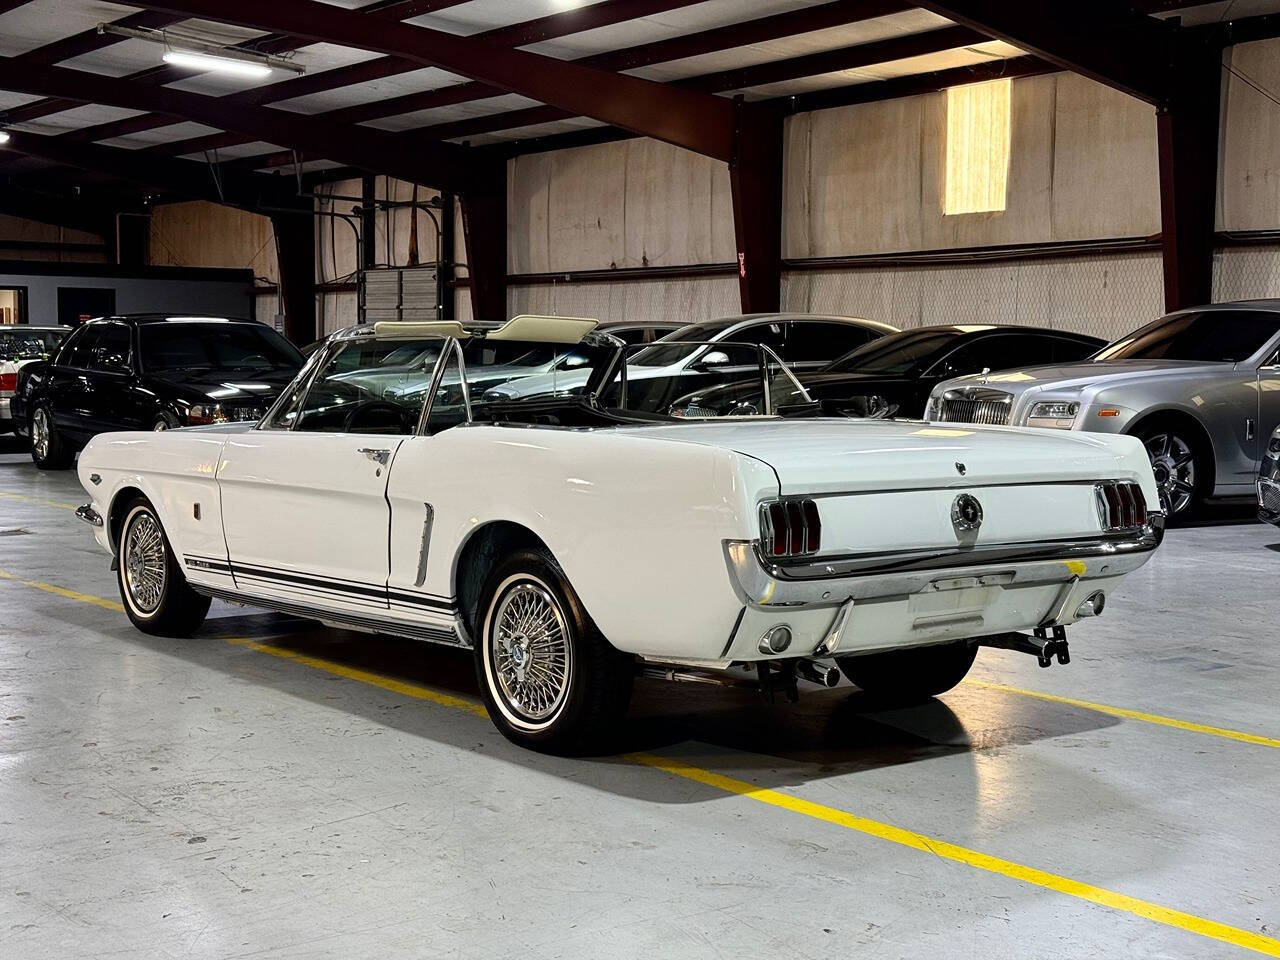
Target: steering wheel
(380, 406)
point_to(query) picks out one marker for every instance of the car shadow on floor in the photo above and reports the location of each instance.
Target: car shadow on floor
(828, 733)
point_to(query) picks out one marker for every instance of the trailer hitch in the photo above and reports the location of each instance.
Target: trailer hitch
(1044, 643)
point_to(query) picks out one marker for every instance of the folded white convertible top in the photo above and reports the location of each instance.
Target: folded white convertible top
(526, 327)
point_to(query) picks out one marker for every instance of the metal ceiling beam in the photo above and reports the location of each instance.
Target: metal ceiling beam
(437, 165)
(590, 17)
(75, 214)
(695, 121)
(271, 43)
(1101, 39)
(183, 177)
(777, 71)
(762, 30)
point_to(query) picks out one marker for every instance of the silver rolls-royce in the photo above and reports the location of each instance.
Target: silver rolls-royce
(1200, 387)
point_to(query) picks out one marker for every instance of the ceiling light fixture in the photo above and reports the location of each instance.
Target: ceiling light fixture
(4, 137)
(207, 61)
(206, 53)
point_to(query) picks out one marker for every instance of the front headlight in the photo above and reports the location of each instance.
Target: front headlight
(206, 413)
(1273, 447)
(1053, 414)
(931, 409)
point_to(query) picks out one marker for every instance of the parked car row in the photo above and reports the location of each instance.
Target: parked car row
(1200, 388)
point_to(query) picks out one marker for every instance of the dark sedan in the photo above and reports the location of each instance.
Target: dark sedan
(892, 376)
(153, 372)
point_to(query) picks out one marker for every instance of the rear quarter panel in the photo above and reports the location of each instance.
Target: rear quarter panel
(637, 524)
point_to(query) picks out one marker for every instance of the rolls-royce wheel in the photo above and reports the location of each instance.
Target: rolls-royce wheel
(48, 450)
(1178, 466)
(549, 678)
(910, 676)
(155, 593)
(165, 421)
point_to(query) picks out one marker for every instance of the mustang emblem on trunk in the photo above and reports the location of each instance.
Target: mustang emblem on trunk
(966, 513)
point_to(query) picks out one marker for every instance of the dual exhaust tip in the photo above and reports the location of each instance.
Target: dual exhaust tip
(1092, 605)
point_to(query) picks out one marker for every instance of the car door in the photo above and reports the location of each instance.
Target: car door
(304, 502)
(107, 381)
(812, 344)
(67, 394)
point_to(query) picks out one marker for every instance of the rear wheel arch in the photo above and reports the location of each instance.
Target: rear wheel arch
(1172, 417)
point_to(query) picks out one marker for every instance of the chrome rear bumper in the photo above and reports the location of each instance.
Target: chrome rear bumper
(761, 583)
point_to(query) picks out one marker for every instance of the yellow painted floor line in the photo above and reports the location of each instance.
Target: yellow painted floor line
(63, 592)
(1236, 936)
(60, 504)
(1127, 714)
(949, 851)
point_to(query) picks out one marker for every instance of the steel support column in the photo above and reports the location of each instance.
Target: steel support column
(296, 259)
(446, 258)
(1188, 136)
(755, 178)
(484, 224)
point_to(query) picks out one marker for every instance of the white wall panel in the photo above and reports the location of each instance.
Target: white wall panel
(1250, 168)
(1104, 296)
(867, 178)
(681, 301)
(1246, 273)
(628, 204)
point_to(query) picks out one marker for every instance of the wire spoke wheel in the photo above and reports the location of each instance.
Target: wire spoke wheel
(40, 434)
(530, 650)
(144, 562)
(1174, 464)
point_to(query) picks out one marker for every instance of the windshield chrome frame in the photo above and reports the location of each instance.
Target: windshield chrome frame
(452, 345)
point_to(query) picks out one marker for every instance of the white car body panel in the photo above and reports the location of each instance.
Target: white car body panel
(656, 528)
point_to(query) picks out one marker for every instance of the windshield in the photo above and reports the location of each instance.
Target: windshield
(1212, 335)
(898, 354)
(19, 344)
(691, 337)
(242, 347)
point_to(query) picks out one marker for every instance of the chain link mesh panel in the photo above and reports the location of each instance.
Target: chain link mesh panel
(1102, 296)
(1246, 273)
(685, 300)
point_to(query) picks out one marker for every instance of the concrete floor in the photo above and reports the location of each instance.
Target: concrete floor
(206, 798)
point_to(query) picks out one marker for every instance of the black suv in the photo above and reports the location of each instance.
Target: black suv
(152, 372)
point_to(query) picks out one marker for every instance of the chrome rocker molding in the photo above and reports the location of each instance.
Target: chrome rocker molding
(761, 583)
(457, 637)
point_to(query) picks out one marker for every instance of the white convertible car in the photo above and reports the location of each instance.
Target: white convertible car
(573, 541)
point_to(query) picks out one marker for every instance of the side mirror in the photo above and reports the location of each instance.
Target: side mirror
(712, 359)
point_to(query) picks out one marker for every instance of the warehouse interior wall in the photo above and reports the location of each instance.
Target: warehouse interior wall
(48, 242)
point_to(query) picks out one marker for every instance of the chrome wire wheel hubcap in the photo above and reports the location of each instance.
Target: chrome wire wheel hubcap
(529, 646)
(1174, 467)
(40, 434)
(144, 563)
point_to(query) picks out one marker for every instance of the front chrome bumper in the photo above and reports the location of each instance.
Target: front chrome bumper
(89, 515)
(760, 583)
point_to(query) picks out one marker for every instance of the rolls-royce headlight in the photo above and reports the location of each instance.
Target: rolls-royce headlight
(1273, 448)
(1054, 414)
(931, 408)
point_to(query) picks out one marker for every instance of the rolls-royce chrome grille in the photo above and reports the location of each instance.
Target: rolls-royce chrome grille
(975, 405)
(1269, 495)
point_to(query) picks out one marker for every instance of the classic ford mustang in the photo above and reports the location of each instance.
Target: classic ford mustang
(571, 541)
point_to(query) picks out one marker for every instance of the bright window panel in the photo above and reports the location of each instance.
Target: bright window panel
(977, 147)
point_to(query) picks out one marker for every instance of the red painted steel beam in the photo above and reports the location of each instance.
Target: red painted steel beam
(777, 71)
(1101, 39)
(755, 181)
(437, 165)
(295, 236)
(695, 121)
(271, 43)
(590, 17)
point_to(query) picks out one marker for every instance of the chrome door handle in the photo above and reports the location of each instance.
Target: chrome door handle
(375, 454)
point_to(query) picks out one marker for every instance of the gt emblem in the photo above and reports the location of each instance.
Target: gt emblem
(966, 513)
(960, 468)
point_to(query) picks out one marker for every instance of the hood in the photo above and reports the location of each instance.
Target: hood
(826, 386)
(1075, 375)
(225, 386)
(840, 455)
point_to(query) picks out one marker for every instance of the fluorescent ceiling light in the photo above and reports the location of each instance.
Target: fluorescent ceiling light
(204, 61)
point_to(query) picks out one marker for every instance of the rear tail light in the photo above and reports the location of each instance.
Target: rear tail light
(1121, 505)
(790, 528)
(8, 382)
